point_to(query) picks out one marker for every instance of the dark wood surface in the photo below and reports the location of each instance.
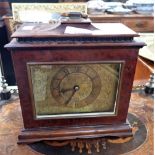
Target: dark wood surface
(126, 52)
(16, 45)
(4, 7)
(39, 30)
(137, 22)
(144, 68)
(73, 55)
(72, 133)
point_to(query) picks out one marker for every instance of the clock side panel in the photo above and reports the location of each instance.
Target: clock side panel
(100, 54)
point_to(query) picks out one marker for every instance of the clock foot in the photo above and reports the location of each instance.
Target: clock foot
(89, 145)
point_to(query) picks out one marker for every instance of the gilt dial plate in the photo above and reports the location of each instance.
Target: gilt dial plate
(74, 89)
(75, 85)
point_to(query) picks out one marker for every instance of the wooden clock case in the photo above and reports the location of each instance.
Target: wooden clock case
(30, 46)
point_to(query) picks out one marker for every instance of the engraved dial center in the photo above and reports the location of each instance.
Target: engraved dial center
(75, 86)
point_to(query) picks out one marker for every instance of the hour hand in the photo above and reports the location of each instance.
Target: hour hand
(66, 90)
(75, 88)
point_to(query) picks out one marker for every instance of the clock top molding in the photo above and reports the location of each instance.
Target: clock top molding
(46, 30)
(44, 35)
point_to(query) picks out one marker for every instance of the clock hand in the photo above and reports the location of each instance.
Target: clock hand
(74, 89)
(66, 90)
(73, 92)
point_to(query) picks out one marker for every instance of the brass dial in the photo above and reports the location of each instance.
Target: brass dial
(82, 88)
(75, 85)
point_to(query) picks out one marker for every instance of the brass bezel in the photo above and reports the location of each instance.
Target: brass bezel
(80, 115)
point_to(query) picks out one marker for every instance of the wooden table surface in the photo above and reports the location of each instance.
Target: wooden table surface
(11, 123)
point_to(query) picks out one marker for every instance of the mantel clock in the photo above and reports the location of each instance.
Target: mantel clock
(74, 85)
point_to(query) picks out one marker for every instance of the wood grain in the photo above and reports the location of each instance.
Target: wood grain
(23, 53)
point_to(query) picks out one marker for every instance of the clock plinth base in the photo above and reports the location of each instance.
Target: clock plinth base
(70, 133)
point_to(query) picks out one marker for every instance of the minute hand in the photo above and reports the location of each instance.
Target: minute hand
(73, 92)
(74, 89)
